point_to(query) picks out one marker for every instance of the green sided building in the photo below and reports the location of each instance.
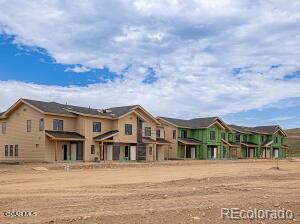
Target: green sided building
(199, 138)
(260, 141)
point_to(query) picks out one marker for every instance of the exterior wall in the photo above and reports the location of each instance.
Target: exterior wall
(121, 137)
(31, 145)
(172, 151)
(84, 126)
(69, 122)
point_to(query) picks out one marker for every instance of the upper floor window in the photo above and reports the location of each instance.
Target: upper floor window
(276, 139)
(262, 138)
(128, 129)
(41, 124)
(212, 135)
(58, 125)
(184, 133)
(237, 137)
(174, 134)
(148, 131)
(157, 133)
(6, 150)
(3, 127)
(245, 138)
(96, 126)
(28, 125)
(223, 135)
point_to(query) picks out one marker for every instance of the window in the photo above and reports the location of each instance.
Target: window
(147, 131)
(223, 135)
(157, 133)
(245, 138)
(11, 150)
(212, 135)
(92, 149)
(58, 125)
(41, 124)
(174, 134)
(16, 150)
(276, 139)
(6, 150)
(128, 129)
(28, 125)
(262, 138)
(183, 133)
(237, 137)
(96, 126)
(3, 127)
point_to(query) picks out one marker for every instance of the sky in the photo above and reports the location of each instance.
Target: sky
(177, 58)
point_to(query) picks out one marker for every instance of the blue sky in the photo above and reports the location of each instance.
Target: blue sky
(235, 59)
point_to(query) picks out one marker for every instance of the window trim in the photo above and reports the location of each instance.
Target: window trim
(29, 125)
(94, 126)
(16, 153)
(158, 133)
(174, 134)
(6, 149)
(42, 124)
(4, 124)
(210, 135)
(58, 126)
(126, 131)
(223, 133)
(147, 131)
(11, 150)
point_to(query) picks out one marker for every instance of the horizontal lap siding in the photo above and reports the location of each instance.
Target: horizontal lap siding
(16, 133)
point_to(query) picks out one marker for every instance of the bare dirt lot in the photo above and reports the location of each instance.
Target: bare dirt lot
(166, 192)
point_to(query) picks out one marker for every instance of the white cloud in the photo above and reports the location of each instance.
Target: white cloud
(77, 69)
(192, 45)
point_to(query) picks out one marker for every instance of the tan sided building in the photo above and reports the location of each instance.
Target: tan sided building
(48, 131)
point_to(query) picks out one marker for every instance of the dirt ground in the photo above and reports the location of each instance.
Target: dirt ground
(165, 192)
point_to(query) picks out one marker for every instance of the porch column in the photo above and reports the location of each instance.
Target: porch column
(55, 150)
(184, 156)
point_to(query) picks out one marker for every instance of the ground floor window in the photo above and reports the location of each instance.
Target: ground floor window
(6, 151)
(16, 150)
(11, 150)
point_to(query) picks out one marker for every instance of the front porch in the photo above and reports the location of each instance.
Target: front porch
(249, 150)
(66, 146)
(149, 149)
(187, 148)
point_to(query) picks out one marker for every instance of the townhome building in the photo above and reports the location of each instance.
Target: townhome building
(199, 138)
(49, 131)
(260, 141)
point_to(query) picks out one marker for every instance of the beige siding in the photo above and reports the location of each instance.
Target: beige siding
(169, 137)
(121, 137)
(69, 122)
(84, 126)
(31, 144)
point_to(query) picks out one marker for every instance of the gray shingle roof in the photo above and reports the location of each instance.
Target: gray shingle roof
(266, 129)
(105, 135)
(239, 128)
(258, 129)
(53, 107)
(192, 123)
(65, 135)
